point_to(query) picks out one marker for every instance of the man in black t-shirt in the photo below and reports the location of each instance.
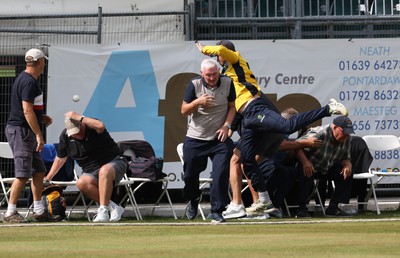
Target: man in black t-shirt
(87, 141)
(23, 132)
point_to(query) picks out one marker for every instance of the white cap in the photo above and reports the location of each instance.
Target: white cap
(72, 128)
(33, 55)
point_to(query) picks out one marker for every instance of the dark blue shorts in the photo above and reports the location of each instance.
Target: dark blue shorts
(23, 144)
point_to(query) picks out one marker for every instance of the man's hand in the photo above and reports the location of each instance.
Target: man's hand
(223, 133)
(40, 142)
(308, 169)
(199, 46)
(346, 172)
(47, 120)
(206, 100)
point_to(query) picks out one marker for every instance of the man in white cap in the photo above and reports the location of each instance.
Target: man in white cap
(23, 132)
(87, 141)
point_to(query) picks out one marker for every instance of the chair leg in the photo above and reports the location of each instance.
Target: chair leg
(164, 192)
(376, 200)
(286, 207)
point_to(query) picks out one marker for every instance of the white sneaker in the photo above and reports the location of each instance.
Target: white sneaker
(116, 213)
(336, 108)
(260, 216)
(258, 208)
(102, 215)
(234, 211)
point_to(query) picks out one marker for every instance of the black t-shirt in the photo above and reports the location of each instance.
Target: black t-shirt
(25, 88)
(92, 152)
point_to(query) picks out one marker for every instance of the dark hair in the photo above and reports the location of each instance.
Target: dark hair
(226, 43)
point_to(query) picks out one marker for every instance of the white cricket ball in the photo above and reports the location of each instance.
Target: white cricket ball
(76, 98)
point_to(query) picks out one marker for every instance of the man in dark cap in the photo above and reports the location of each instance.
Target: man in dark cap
(331, 162)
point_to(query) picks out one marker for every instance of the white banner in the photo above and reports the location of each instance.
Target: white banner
(137, 89)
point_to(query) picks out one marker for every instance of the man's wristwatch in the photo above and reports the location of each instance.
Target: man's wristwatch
(80, 121)
(228, 125)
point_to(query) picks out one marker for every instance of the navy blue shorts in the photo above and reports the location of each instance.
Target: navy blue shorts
(23, 144)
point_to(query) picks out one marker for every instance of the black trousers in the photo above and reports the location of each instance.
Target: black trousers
(341, 192)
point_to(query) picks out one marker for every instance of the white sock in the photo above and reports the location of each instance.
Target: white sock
(38, 207)
(263, 197)
(10, 209)
(105, 207)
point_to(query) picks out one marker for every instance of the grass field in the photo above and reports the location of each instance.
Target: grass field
(158, 237)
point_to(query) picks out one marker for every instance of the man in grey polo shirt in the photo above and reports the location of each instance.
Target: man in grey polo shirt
(209, 103)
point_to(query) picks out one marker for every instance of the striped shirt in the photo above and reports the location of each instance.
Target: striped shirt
(330, 152)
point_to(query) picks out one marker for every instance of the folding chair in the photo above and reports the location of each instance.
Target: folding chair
(5, 153)
(134, 184)
(379, 143)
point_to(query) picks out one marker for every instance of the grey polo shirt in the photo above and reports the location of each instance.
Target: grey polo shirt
(205, 121)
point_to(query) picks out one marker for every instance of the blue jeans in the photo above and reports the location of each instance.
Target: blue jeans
(261, 119)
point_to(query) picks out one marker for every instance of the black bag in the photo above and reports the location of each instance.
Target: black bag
(54, 203)
(142, 162)
(150, 168)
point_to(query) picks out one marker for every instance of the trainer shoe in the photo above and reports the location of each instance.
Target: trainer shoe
(275, 213)
(256, 216)
(102, 215)
(216, 217)
(336, 213)
(234, 211)
(191, 212)
(15, 217)
(116, 213)
(336, 108)
(43, 217)
(303, 213)
(260, 208)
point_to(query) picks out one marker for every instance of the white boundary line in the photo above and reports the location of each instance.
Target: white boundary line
(122, 224)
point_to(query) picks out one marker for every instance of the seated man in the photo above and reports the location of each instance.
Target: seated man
(319, 163)
(87, 141)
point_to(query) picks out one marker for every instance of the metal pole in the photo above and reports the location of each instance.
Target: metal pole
(99, 21)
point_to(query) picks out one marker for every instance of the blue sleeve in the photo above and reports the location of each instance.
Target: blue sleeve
(190, 94)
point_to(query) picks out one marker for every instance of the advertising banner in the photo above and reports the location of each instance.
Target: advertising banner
(137, 89)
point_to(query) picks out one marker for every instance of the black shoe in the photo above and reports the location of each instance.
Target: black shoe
(336, 213)
(216, 217)
(191, 212)
(303, 214)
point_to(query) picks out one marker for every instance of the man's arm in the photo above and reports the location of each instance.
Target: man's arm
(31, 118)
(57, 164)
(311, 142)
(308, 168)
(95, 124)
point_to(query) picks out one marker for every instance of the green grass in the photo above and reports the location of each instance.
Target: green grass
(366, 235)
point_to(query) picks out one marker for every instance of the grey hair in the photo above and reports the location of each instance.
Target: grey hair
(208, 63)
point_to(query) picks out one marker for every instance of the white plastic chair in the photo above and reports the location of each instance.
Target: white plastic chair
(5, 153)
(378, 143)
